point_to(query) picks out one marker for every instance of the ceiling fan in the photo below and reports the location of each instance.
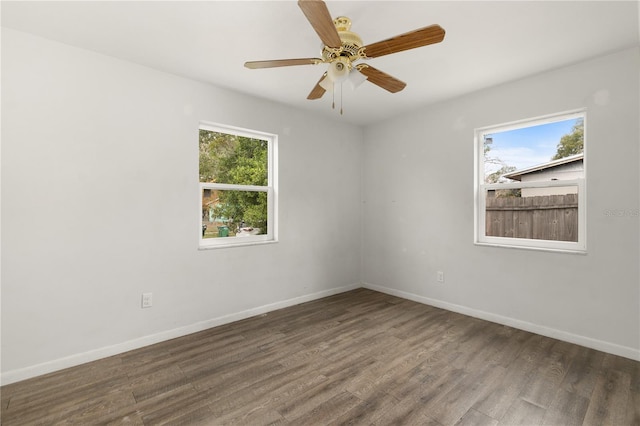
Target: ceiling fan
(342, 48)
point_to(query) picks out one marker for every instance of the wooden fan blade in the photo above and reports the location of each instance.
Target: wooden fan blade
(320, 19)
(317, 91)
(282, 63)
(418, 38)
(382, 79)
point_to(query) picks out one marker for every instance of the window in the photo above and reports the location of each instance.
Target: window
(237, 186)
(530, 183)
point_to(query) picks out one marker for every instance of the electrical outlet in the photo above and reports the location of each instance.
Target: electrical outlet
(147, 300)
(440, 276)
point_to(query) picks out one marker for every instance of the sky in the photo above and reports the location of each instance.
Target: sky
(528, 146)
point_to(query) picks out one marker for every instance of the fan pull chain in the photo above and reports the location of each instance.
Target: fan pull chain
(333, 96)
(340, 98)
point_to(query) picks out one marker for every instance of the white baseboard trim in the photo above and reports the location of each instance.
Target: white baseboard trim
(17, 375)
(600, 345)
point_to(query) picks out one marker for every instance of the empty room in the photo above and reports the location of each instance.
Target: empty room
(320, 212)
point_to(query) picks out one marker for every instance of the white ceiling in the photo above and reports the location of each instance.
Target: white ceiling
(486, 43)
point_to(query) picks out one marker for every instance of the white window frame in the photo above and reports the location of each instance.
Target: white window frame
(481, 189)
(271, 189)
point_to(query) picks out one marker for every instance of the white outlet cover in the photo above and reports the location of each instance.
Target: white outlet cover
(147, 300)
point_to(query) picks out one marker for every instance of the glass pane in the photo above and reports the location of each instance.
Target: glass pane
(550, 151)
(533, 213)
(232, 159)
(233, 213)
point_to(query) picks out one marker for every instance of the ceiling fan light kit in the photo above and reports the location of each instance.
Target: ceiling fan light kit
(342, 48)
(338, 70)
(356, 78)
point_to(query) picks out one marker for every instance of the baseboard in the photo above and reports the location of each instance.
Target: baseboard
(588, 342)
(17, 375)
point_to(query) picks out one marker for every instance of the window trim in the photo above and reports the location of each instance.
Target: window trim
(271, 189)
(481, 188)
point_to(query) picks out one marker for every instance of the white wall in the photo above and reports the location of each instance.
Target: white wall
(418, 215)
(100, 203)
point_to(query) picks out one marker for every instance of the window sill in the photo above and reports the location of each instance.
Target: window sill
(238, 244)
(547, 249)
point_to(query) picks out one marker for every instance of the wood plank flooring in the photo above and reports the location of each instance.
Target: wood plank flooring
(360, 357)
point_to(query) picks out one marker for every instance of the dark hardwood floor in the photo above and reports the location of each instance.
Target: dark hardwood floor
(360, 357)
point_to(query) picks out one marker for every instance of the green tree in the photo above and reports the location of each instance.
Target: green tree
(571, 143)
(488, 141)
(495, 176)
(213, 147)
(237, 160)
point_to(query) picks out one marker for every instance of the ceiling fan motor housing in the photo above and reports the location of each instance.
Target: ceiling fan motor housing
(351, 42)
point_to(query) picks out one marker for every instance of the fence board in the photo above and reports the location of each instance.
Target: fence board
(545, 217)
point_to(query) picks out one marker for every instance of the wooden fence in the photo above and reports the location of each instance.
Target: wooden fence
(547, 217)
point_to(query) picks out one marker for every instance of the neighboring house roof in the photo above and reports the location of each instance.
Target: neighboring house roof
(518, 174)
